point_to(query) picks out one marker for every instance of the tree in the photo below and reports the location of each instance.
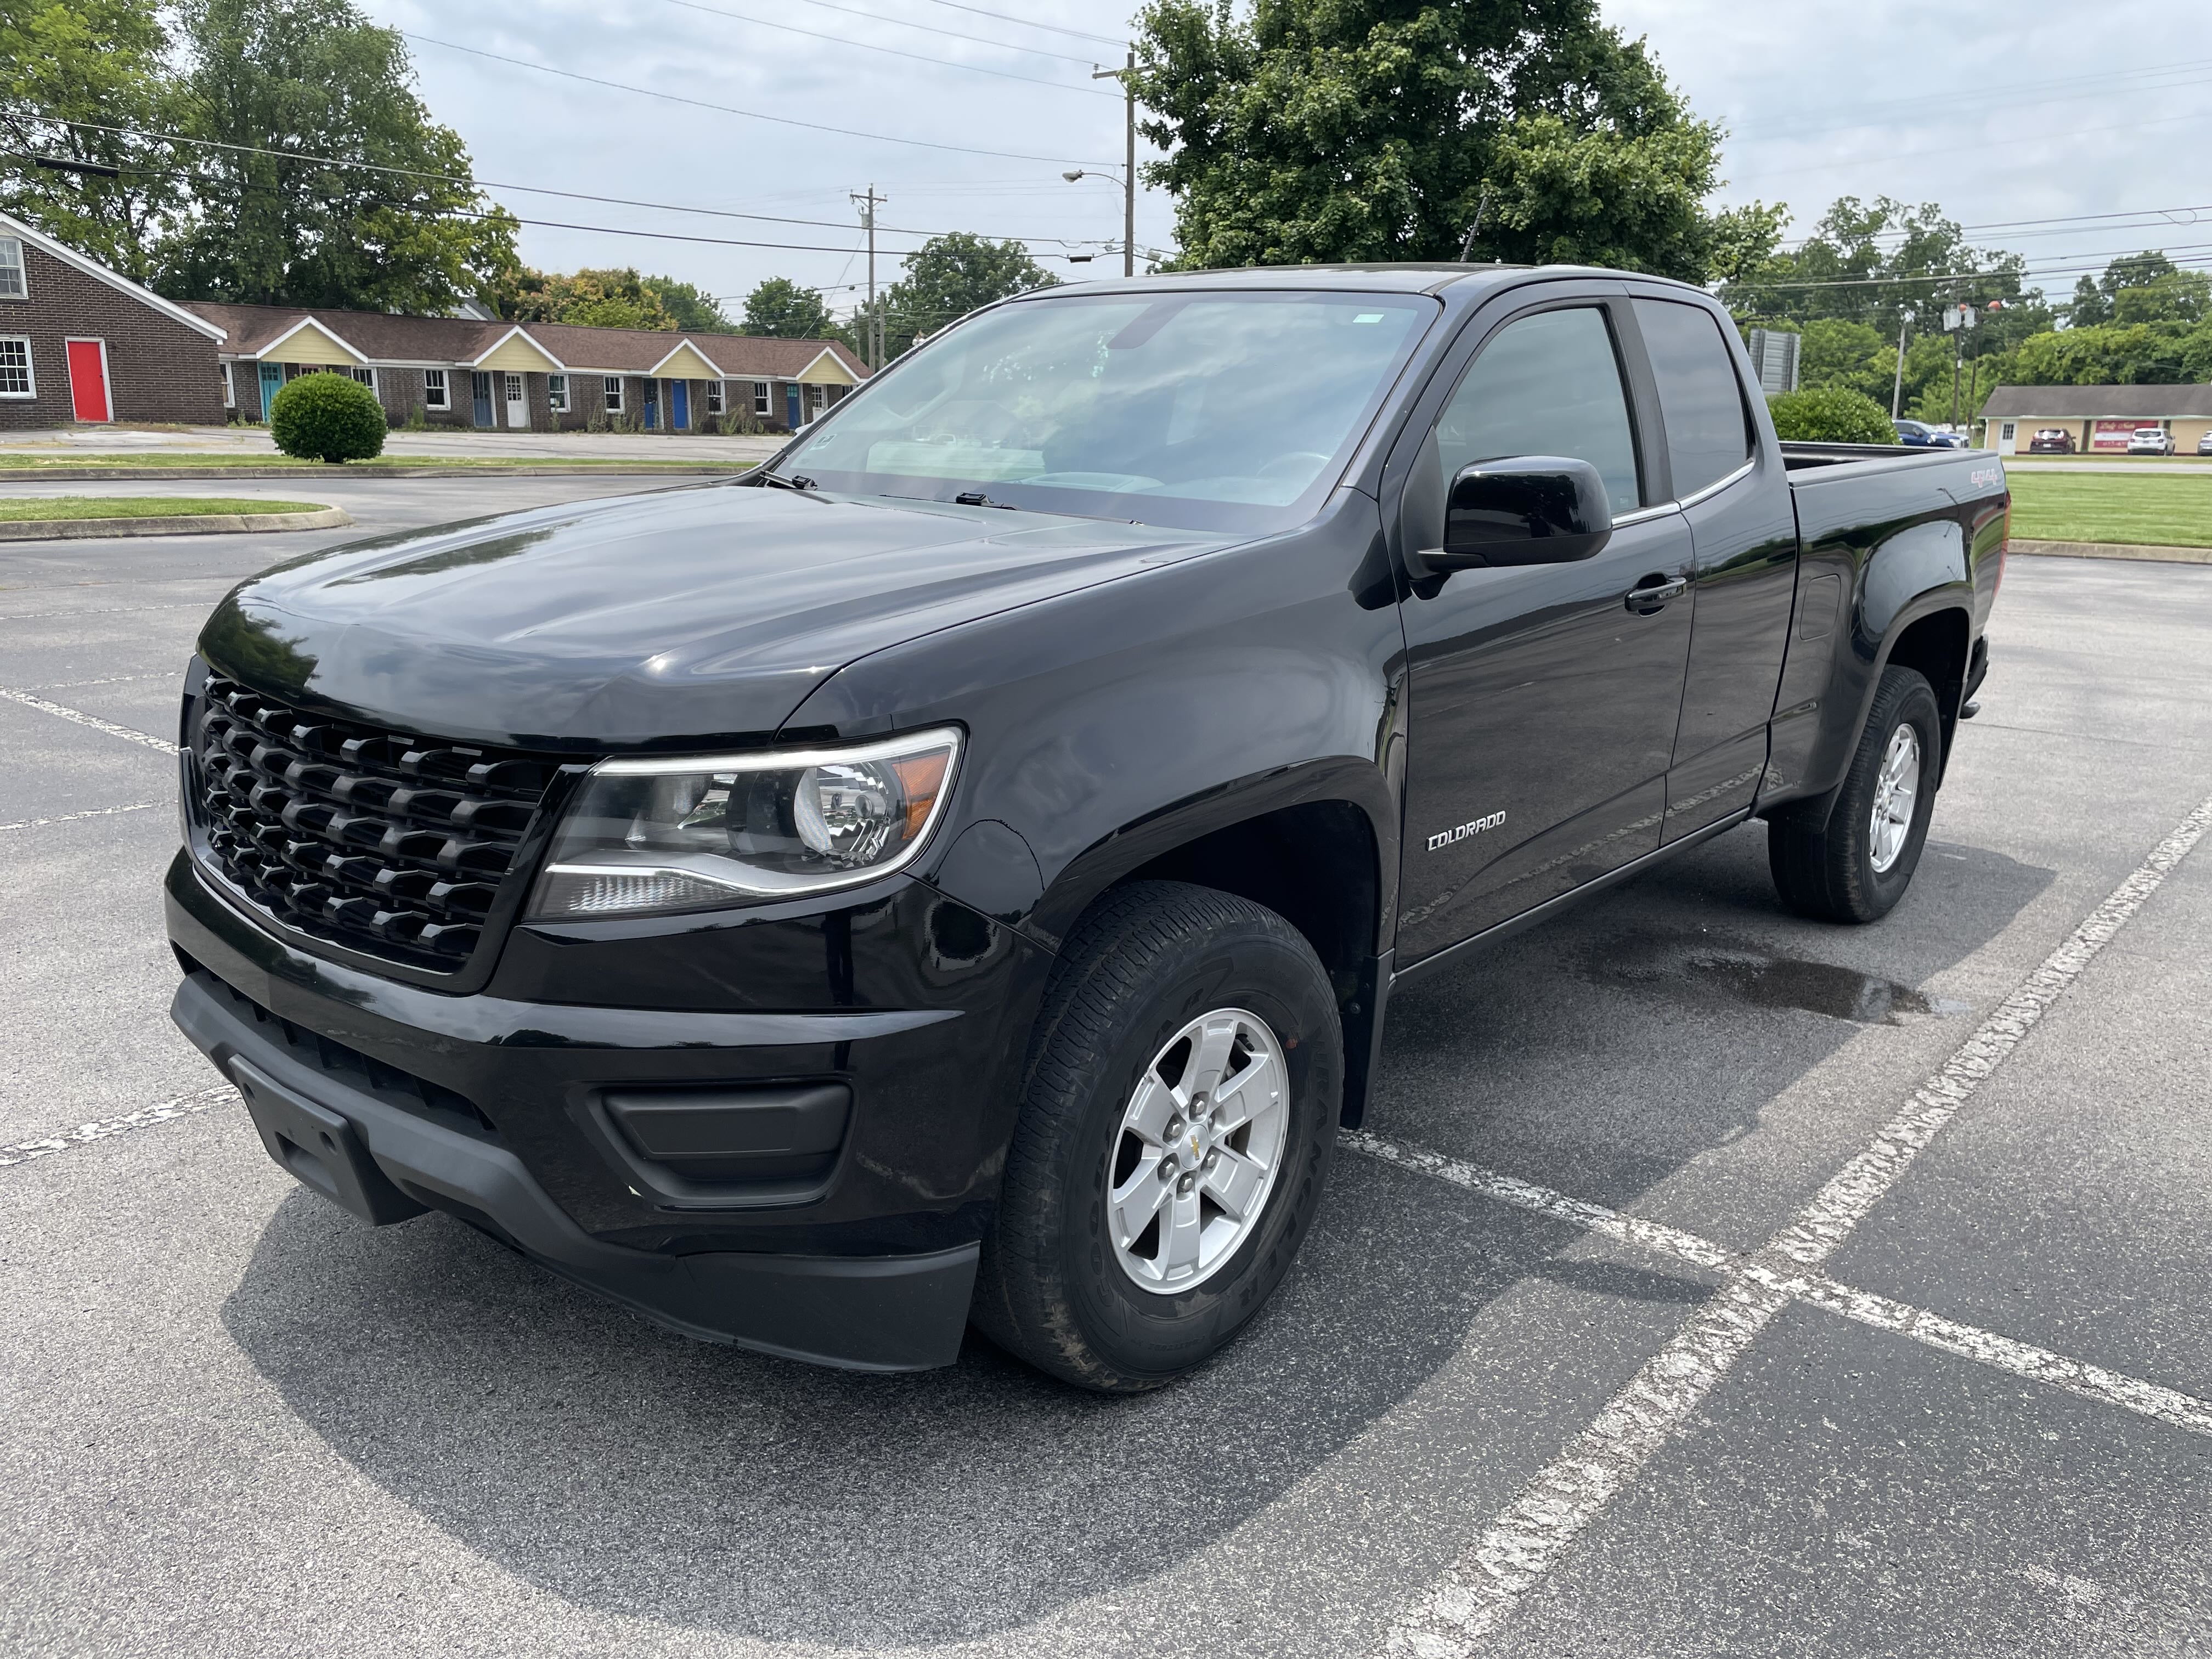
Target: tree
(2140, 287)
(949, 275)
(694, 309)
(780, 309)
(98, 62)
(615, 298)
(1351, 130)
(308, 79)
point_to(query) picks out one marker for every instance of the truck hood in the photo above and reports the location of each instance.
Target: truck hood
(690, 614)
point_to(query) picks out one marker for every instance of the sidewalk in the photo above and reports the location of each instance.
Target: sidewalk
(246, 441)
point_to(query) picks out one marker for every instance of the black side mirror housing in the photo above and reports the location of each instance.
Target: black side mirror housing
(1530, 509)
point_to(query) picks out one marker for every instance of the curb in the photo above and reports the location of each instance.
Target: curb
(190, 524)
(551, 470)
(2112, 551)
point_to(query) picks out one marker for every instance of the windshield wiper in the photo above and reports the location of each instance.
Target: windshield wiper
(798, 481)
(977, 498)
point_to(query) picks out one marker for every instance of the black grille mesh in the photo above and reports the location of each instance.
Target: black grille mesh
(384, 842)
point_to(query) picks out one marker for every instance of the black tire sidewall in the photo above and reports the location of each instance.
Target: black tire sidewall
(1906, 698)
(1136, 1333)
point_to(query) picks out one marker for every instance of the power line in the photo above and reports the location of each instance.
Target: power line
(1949, 150)
(952, 34)
(728, 109)
(1031, 23)
(2004, 94)
(895, 52)
(491, 184)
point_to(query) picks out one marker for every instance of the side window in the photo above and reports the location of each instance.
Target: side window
(1546, 385)
(1708, 428)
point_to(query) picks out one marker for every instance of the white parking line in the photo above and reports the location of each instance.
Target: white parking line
(167, 1111)
(64, 712)
(72, 818)
(1536, 1529)
(106, 679)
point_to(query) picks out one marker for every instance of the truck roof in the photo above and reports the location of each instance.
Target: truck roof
(1408, 278)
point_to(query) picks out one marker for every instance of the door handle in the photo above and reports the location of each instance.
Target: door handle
(1649, 597)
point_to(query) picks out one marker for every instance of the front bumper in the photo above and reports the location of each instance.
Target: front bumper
(501, 1121)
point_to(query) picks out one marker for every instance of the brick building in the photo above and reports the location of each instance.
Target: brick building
(541, 377)
(79, 342)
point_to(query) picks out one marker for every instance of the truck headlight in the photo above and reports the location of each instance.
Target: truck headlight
(656, 834)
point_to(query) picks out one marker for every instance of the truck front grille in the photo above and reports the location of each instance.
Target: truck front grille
(387, 843)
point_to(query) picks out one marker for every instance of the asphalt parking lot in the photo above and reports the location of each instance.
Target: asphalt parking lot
(1710, 1282)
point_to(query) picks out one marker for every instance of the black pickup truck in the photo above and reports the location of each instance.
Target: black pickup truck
(958, 872)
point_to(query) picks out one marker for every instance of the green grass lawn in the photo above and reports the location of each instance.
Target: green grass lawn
(141, 507)
(23, 461)
(2107, 506)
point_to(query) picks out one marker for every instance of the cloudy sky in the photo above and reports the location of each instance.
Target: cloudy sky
(2046, 111)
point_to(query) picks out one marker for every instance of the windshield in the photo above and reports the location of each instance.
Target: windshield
(1204, 410)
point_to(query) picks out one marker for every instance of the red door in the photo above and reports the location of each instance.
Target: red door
(88, 370)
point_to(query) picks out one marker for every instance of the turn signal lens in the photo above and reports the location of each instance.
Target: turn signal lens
(648, 836)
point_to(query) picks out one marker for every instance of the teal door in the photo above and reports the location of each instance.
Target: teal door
(679, 405)
(273, 382)
(791, 405)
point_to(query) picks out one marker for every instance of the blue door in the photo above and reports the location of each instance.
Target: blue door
(679, 405)
(480, 389)
(653, 405)
(791, 405)
(273, 382)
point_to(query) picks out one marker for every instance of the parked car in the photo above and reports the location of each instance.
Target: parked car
(2051, 440)
(2150, 440)
(2204, 444)
(960, 870)
(1917, 435)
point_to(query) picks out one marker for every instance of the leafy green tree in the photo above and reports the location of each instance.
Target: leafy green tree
(694, 309)
(614, 298)
(1855, 356)
(1832, 414)
(2140, 287)
(1348, 129)
(98, 62)
(309, 78)
(781, 310)
(2105, 353)
(949, 275)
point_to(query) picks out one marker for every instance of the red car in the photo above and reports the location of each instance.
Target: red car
(2051, 440)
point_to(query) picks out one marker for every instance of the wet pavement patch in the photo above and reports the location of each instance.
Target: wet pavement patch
(1703, 968)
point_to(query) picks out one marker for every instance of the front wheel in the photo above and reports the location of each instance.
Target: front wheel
(1181, 1109)
(1856, 866)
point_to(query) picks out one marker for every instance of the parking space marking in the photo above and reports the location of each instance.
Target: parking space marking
(166, 1111)
(106, 679)
(1523, 1542)
(62, 711)
(72, 818)
(105, 610)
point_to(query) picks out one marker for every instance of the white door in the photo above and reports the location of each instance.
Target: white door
(2008, 437)
(518, 406)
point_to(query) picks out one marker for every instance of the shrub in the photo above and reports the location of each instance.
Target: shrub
(327, 417)
(1830, 415)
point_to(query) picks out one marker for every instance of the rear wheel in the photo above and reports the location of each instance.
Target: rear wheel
(1857, 865)
(1174, 1135)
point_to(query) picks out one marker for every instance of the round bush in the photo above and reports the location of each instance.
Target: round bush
(327, 417)
(1830, 415)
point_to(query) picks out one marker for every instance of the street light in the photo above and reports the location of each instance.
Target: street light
(1128, 76)
(1129, 248)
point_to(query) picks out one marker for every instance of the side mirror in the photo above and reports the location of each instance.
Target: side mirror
(1531, 509)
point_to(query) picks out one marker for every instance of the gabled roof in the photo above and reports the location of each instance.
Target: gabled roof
(2098, 403)
(643, 351)
(377, 336)
(518, 332)
(11, 225)
(319, 326)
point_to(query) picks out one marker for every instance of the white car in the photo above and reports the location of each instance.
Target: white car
(2150, 440)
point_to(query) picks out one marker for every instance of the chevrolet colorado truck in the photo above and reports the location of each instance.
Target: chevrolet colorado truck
(957, 872)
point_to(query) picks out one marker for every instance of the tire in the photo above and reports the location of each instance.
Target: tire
(1844, 869)
(1060, 1284)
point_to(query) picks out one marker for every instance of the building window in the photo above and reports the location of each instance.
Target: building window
(12, 285)
(2009, 431)
(714, 396)
(760, 397)
(229, 389)
(433, 389)
(556, 393)
(15, 379)
(613, 383)
(365, 376)
(817, 398)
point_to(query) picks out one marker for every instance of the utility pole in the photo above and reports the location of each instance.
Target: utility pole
(1128, 79)
(869, 203)
(1897, 391)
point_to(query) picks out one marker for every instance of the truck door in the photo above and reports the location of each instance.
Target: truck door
(1542, 699)
(1744, 533)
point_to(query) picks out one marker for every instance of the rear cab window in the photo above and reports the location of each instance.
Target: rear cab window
(1701, 402)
